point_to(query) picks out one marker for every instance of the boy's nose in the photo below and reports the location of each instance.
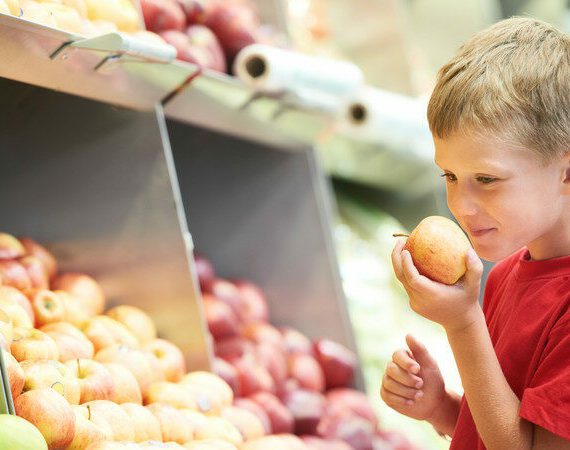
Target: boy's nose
(462, 205)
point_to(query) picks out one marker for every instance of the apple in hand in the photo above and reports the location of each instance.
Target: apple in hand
(36, 271)
(105, 332)
(50, 413)
(126, 387)
(12, 273)
(337, 361)
(111, 416)
(145, 424)
(83, 288)
(95, 381)
(438, 248)
(70, 341)
(16, 376)
(10, 247)
(44, 255)
(160, 15)
(170, 358)
(29, 343)
(136, 320)
(51, 374)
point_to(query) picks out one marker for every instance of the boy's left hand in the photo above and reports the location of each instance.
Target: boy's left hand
(454, 307)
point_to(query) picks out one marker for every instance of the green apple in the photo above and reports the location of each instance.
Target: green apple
(18, 433)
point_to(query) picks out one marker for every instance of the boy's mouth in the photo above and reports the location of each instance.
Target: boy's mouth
(478, 232)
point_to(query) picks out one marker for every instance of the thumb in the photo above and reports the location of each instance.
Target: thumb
(420, 352)
(474, 269)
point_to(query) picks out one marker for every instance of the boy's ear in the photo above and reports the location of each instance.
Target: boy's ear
(566, 174)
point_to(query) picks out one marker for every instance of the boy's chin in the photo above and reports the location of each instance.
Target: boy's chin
(494, 254)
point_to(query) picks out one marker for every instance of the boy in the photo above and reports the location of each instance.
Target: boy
(500, 117)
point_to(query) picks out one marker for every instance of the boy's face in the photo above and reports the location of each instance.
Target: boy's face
(503, 197)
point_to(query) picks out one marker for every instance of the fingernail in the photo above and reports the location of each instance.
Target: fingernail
(419, 384)
(419, 395)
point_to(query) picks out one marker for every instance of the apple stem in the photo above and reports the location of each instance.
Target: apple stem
(88, 412)
(400, 235)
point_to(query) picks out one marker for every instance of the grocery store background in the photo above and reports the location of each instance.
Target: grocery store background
(159, 150)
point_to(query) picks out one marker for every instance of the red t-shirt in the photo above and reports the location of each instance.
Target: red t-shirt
(526, 310)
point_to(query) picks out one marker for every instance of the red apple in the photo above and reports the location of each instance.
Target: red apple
(254, 302)
(126, 388)
(12, 273)
(48, 306)
(11, 294)
(281, 419)
(235, 24)
(51, 374)
(307, 371)
(38, 250)
(136, 320)
(170, 358)
(205, 48)
(274, 360)
(278, 442)
(95, 380)
(16, 375)
(172, 423)
(253, 376)
(84, 288)
(228, 373)
(257, 410)
(343, 400)
(10, 247)
(263, 332)
(146, 425)
(204, 268)
(307, 408)
(70, 341)
(160, 15)
(105, 332)
(227, 292)
(338, 362)
(50, 413)
(352, 429)
(195, 11)
(111, 416)
(36, 271)
(29, 343)
(233, 348)
(296, 342)
(222, 320)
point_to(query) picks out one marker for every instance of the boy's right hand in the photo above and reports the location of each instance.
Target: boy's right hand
(412, 383)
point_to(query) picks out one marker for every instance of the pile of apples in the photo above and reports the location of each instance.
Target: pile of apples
(209, 33)
(92, 379)
(294, 386)
(86, 18)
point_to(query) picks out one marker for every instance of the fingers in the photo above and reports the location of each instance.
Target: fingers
(397, 258)
(403, 359)
(420, 353)
(394, 400)
(474, 269)
(413, 278)
(402, 376)
(393, 387)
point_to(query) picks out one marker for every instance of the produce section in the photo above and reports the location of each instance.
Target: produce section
(147, 161)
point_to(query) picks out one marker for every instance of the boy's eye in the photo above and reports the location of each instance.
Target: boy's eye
(449, 176)
(486, 180)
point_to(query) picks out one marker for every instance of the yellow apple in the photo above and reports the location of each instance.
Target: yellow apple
(170, 394)
(136, 320)
(170, 358)
(52, 374)
(104, 332)
(111, 414)
(438, 247)
(120, 12)
(146, 425)
(29, 343)
(126, 387)
(70, 341)
(95, 381)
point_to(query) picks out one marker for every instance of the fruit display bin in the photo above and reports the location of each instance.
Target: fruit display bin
(116, 190)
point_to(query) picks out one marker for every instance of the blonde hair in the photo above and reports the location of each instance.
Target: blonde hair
(511, 79)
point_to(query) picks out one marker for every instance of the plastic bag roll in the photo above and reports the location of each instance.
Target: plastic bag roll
(271, 69)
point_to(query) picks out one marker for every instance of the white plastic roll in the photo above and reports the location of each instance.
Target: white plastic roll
(270, 69)
(388, 118)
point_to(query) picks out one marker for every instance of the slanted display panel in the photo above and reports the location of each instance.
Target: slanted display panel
(92, 182)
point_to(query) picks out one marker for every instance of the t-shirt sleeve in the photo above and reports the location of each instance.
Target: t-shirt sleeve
(546, 402)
